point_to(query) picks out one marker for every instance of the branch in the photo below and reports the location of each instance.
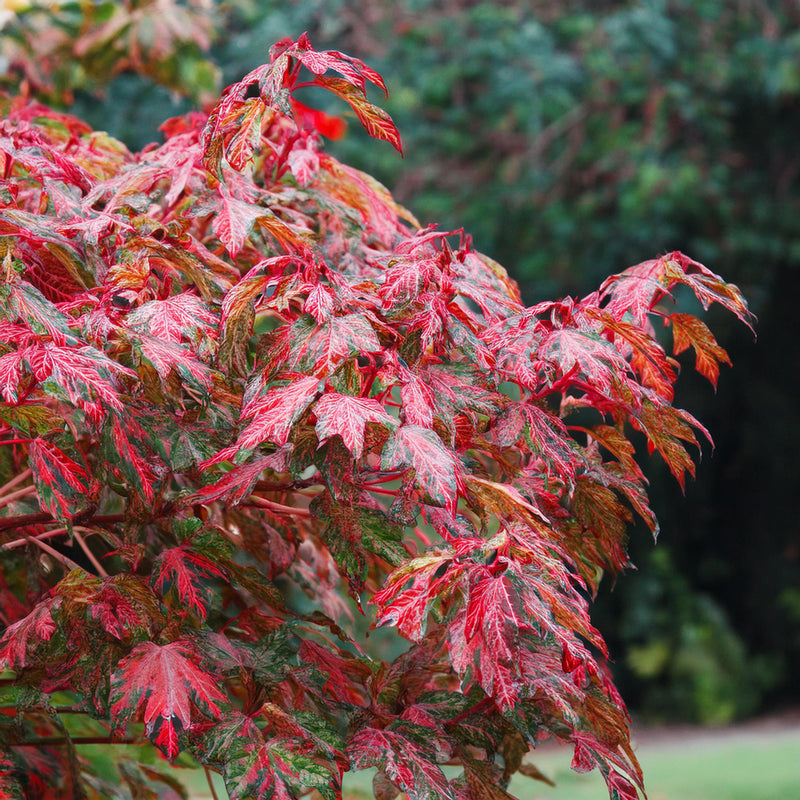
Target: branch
(24, 520)
(279, 508)
(26, 539)
(65, 560)
(211, 784)
(89, 554)
(10, 498)
(76, 740)
(23, 476)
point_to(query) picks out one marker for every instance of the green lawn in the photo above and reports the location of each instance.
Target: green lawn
(760, 767)
(724, 766)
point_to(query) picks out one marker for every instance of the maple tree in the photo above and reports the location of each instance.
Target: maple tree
(246, 399)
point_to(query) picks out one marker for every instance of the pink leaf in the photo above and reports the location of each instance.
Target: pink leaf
(437, 470)
(233, 221)
(347, 416)
(274, 413)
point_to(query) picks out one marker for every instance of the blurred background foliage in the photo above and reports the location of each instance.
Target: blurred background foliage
(571, 139)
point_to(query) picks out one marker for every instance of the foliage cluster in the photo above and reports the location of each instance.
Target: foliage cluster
(570, 139)
(234, 368)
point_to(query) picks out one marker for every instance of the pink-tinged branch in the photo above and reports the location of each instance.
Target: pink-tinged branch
(65, 560)
(279, 508)
(21, 478)
(40, 536)
(24, 520)
(89, 554)
(19, 494)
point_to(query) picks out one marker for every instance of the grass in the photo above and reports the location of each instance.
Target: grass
(748, 765)
(760, 767)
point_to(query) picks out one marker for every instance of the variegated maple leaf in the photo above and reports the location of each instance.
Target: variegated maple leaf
(189, 573)
(346, 416)
(64, 486)
(436, 469)
(164, 686)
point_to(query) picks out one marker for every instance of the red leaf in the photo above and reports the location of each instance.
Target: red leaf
(352, 69)
(406, 607)
(236, 485)
(274, 412)
(38, 313)
(83, 376)
(347, 678)
(347, 416)
(406, 278)
(64, 486)
(162, 684)
(23, 636)
(182, 317)
(437, 470)
(125, 437)
(11, 371)
(333, 128)
(11, 777)
(377, 122)
(666, 429)
(638, 289)
(583, 353)
(320, 348)
(419, 401)
(483, 638)
(411, 765)
(166, 358)
(187, 571)
(272, 416)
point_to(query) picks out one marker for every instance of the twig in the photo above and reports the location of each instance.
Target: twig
(89, 554)
(24, 520)
(65, 560)
(279, 508)
(25, 539)
(76, 740)
(23, 476)
(10, 498)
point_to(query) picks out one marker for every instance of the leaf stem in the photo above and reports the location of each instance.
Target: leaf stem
(376, 490)
(211, 784)
(423, 537)
(392, 476)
